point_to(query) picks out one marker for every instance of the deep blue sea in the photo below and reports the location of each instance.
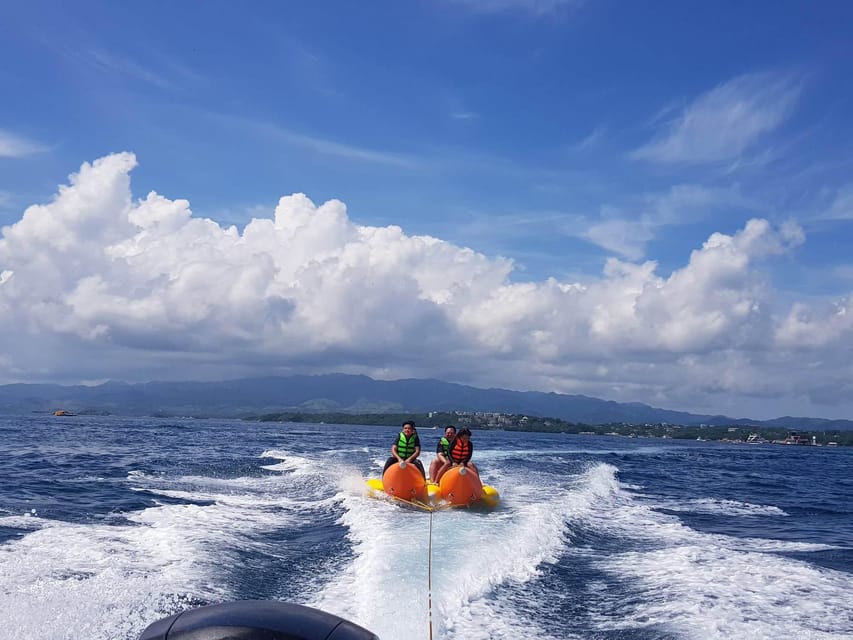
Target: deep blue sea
(107, 524)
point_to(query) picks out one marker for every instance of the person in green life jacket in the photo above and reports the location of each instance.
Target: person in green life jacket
(406, 448)
(442, 463)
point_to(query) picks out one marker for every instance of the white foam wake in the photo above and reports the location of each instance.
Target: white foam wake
(723, 507)
(108, 582)
(474, 555)
(699, 585)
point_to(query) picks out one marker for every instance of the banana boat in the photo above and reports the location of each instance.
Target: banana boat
(459, 487)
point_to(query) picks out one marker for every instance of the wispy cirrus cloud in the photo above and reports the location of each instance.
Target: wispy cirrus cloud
(15, 146)
(685, 203)
(842, 206)
(625, 230)
(620, 236)
(162, 69)
(722, 123)
(342, 150)
(534, 7)
(322, 146)
(109, 62)
(592, 140)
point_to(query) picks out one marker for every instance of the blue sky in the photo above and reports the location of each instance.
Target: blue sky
(544, 145)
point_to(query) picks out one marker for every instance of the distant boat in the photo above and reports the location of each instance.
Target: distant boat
(796, 438)
(755, 438)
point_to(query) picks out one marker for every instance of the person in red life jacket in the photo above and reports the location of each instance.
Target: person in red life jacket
(442, 463)
(460, 450)
(406, 448)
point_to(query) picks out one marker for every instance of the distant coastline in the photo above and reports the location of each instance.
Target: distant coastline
(733, 433)
(316, 397)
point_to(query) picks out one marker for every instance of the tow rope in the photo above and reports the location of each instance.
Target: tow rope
(417, 504)
(429, 574)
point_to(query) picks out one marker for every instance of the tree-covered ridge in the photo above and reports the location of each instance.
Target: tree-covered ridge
(517, 422)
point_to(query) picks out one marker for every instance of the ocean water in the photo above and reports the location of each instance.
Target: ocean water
(108, 524)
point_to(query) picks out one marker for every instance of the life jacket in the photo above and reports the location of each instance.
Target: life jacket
(459, 450)
(406, 446)
(445, 444)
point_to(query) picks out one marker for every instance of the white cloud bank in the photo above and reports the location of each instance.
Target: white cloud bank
(95, 285)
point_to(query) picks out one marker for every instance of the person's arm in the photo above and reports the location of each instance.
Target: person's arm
(439, 452)
(417, 452)
(394, 451)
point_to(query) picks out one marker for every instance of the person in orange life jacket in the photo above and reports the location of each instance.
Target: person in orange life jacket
(460, 450)
(442, 463)
(406, 448)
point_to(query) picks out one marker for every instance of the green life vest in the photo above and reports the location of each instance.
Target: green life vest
(406, 446)
(445, 444)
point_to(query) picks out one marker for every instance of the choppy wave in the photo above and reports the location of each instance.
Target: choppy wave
(723, 507)
(581, 546)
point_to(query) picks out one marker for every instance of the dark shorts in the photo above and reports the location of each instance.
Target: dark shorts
(393, 460)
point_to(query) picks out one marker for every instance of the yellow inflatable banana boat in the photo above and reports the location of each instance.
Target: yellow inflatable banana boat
(459, 487)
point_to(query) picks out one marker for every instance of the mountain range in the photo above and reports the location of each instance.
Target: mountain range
(354, 394)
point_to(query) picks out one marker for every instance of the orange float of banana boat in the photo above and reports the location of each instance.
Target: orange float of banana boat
(459, 487)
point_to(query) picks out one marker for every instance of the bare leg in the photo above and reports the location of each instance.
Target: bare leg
(442, 470)
(433, 469)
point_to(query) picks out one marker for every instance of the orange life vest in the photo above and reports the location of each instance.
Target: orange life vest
(459, 450)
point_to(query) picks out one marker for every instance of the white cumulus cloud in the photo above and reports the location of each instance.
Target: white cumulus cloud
(96, 284)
